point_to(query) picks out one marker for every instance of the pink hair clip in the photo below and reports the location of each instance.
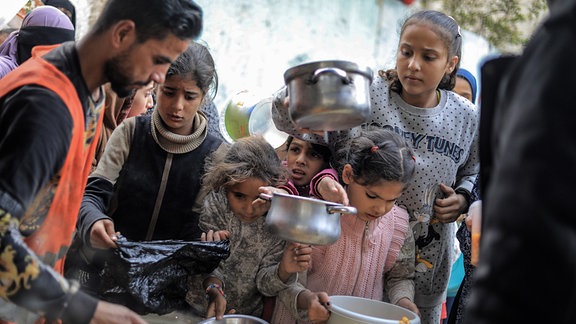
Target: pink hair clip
(374, 149)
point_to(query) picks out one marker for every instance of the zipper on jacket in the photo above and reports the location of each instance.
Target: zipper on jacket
(363, 243)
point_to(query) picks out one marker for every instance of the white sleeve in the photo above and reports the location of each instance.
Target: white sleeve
(116, 151)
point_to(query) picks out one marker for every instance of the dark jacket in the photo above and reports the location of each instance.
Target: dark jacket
(526, 271)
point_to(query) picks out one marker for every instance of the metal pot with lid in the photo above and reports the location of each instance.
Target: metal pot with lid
(328, 95)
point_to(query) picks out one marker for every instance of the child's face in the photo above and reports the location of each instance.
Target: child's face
(303, 162)
(240, 197)
(422, 60)
(463, 88)
(372, 201)
(179, 98)
(142, 100)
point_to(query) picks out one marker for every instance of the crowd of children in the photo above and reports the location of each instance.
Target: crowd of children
(409, 171)
(408, 195)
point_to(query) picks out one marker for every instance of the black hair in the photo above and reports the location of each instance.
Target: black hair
(197, 62)
(154, 19)
(376, 155)
(447, 30)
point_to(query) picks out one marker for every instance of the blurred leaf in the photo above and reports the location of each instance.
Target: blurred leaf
(505, 24)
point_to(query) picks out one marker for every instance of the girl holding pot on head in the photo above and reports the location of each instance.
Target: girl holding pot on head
(373, 258)
(305, 162)
(415, 101)
(260, 263)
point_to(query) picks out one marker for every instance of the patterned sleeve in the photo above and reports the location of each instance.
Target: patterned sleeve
(267, 280)
(214, 213)
(468, 172)
(36, 286)
(289, 297)
(399, 281)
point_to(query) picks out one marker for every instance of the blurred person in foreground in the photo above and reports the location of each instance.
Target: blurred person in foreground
(526, 270)
(50, 118)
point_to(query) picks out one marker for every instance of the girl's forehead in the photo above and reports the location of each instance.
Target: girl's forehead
(181, 79)
(420, 26)
(302, 145)
(297, 141)
(423, 35)
(177, 81)
(386, 189)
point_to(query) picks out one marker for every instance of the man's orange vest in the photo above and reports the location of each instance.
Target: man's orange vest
(52, 215)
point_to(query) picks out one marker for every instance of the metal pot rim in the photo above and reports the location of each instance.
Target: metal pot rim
(307, 68)
(234, 316)
(312, 200)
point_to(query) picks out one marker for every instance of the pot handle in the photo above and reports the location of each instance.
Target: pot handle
(341, 209)
(339, 72)
(265, 196)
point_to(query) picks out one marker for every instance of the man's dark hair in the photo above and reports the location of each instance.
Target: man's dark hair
(154, 18)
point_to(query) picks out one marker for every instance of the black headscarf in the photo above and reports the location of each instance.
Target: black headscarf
(63, 4)
(40, 35)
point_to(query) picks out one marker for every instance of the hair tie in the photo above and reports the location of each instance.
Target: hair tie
(374, 149)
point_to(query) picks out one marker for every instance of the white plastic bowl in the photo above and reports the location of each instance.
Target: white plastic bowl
(357, 310)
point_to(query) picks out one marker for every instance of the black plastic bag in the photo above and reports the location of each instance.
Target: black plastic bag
(152, 276)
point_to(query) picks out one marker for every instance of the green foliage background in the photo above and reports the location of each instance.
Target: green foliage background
(506, 24)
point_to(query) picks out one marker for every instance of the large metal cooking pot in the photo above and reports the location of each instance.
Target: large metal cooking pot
(235, 319)
(305, 220)
(328, 95)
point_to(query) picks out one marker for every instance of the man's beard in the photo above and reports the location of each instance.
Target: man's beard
(119, 81)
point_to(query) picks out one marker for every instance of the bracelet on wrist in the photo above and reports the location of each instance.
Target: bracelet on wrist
(218, 287)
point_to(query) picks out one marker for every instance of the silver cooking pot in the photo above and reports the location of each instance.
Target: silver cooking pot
(235, 319)
(305, 220)
(328, 95)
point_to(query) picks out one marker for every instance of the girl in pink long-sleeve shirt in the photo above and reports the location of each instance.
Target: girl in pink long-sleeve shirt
(374, 256)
